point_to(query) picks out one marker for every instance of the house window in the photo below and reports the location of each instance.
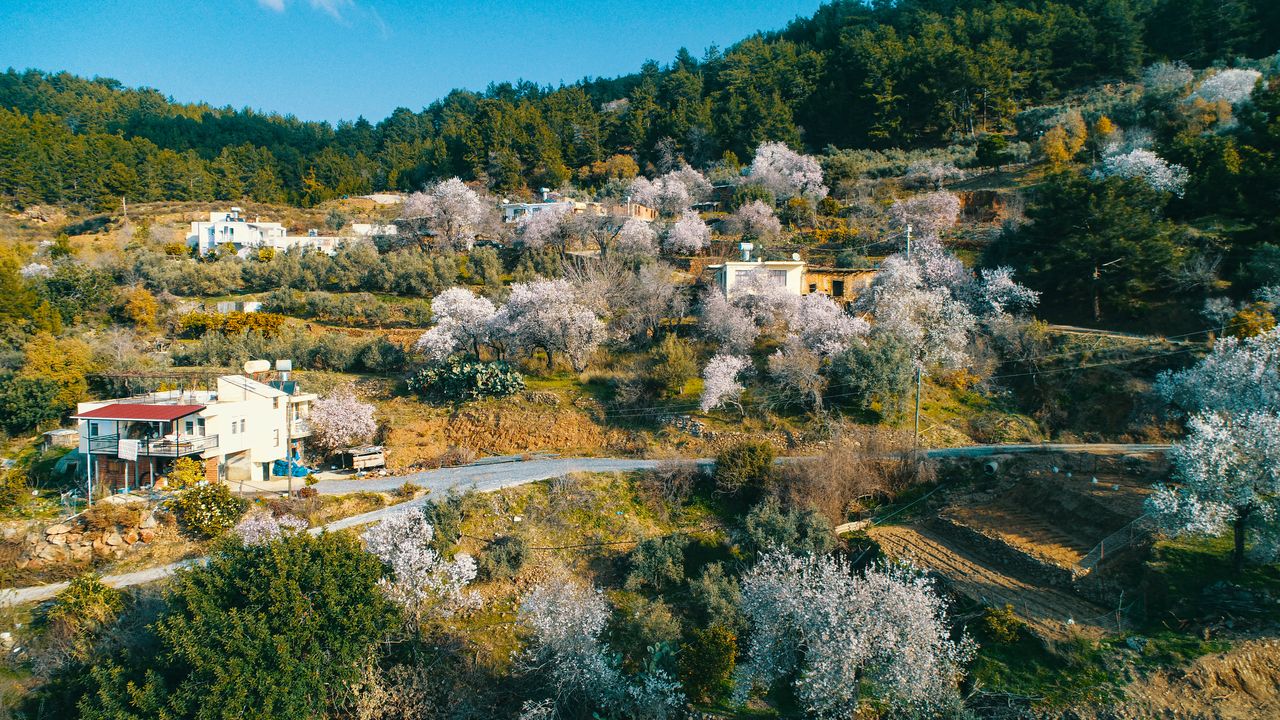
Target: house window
(275, 403)
(276, 434)
(242, 421)
(813, 287)
(837, 288)
(778, 277)
(93, 429)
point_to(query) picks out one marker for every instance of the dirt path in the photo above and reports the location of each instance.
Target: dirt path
(1049, 612)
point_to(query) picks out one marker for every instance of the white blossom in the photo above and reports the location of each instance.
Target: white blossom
(35, 270)
(1238, 376)
(837, 633)
(727, 324)
(636, 238)
(720, 381)
(450, 210)
(928, 214)
(546, 315)
(754, 220)
(930, 320)
(672, 193)
(932, 173)
(566, 621)
(261, 528)
(548, 227)
(1164, 77)
(340, 420)
(999, 293)
(1149, 167)
(689, 235)
(786, 173)
(462, 322)
(421, 581)
(823, 327)
(1228, 467)
(1235, 85)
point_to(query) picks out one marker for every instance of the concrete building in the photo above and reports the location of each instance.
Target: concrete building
(843, 285)
(236, 430)
(230, 228)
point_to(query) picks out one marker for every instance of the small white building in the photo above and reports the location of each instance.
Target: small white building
(732, 274)
(236, 430)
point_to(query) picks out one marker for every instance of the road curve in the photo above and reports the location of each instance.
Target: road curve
(488, 478)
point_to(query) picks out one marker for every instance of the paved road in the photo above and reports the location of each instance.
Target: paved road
(488, 478)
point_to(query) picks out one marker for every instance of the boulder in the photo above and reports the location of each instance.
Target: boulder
(58, 539)
(51, 552)
(131, 537)
(81, 553)
(73, 537)
(146, 536)
(113, 539)
(59, 529)
(149, 522)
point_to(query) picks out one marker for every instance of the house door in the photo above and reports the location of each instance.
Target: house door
(837, 288)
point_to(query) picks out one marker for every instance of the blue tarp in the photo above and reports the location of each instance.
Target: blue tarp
(294, 466)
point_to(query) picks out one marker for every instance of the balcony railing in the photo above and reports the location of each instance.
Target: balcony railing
(156, 447)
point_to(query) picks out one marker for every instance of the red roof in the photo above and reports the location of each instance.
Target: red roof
(132, 411)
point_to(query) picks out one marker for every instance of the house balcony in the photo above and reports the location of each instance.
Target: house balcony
(300, 428)
(156, 447)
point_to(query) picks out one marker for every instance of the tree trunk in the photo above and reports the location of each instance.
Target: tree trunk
(1237, 527)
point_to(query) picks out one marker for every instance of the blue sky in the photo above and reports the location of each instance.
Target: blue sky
(339, 59)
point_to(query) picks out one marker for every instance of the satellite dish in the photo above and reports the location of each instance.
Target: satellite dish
(257, 366)
(795, 256)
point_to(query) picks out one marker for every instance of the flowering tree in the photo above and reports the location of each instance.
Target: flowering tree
(999, 294)
(1166, 78)
(786, 173)
(566, 621)
(823, 327)
(35, 270)
(753, 221)
(1229, 470)
(1235, 85)
(546, 315)
(449, 210)
(261, 528)
(462, 321)
(797, 370)
(1238, 376)
(636, 238)
(834, 634)
(1162, 176)
(420, 579)
(926, 317)
(720, 381)
(928, 214)
(340, 420)
(689, 235)
(672, 193)
(549, 227)
(729, 325)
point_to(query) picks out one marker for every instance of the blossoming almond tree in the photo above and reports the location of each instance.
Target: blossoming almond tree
(420, 579)
(1235, 85)
(549, 227)
(688, 236)
(720, 381)
(835, 634)
(1147, 166)
(786, 173)
(928, 214)
(462, 321)
(1229, 470)
(340, 420)
(450, 211)
(1238, 376)
(754, 221)
(546, 315)
(261, 528)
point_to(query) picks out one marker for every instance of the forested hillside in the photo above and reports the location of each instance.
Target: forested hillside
(857, 74)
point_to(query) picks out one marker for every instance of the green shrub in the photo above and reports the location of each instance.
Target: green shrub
(208, 510)
(707, 661)
(643, 629)
(672, 364)
(744, 468)
(14, 492)
(445, 517)
(457, 380)
(715, 596)
(1002, 625)
(503, 558)
(799, 531)
(80, 611)
(310, 605)
(657, 564)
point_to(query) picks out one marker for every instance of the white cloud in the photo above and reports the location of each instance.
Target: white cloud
(332, 8)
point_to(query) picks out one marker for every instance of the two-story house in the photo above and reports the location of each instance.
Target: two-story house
(236, 430)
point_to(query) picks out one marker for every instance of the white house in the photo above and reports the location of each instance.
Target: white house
(229, 228)
(787, 274)
(236, 430)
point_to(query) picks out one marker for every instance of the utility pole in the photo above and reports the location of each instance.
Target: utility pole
(908, 241)
(919, 383)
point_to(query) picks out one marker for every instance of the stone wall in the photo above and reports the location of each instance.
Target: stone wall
(75, 542)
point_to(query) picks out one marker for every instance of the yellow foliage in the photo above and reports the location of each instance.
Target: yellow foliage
(1104, 126)
(1252, 320)
(1054, 147)
(65, 361)
(140, 307)
(185, 472)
